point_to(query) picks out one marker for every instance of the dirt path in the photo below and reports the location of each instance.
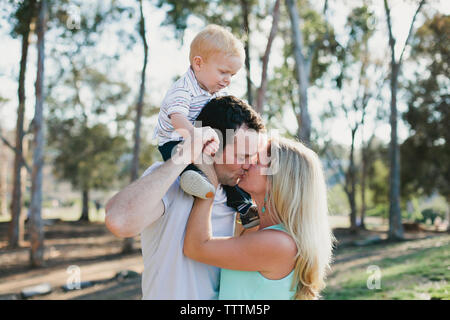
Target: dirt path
(89, 247)
(97, 253)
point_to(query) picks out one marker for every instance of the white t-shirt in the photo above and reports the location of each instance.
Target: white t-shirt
(168, 274)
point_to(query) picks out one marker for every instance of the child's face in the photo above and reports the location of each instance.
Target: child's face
(215, 73)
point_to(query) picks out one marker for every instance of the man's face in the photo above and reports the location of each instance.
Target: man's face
(237, 157)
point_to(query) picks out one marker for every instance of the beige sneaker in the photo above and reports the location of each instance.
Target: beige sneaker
(196, 184)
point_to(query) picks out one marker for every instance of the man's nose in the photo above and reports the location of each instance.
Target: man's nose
(227, 79)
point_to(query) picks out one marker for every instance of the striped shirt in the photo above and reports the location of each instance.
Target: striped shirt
(185, 96)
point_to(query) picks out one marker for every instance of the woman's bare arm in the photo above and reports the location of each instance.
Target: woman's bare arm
(262, 251)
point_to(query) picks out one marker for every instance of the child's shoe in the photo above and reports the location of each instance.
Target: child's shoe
(196, 184)
(250, 219)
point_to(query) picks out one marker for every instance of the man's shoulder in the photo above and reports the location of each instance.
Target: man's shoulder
(153, 167)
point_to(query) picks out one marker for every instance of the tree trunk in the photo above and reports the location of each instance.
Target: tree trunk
(448, 213)
(245, 15)
(363, 186)
(265, 60)
(395, 216)
(85, 206)
(3, 182)
(36, 229)
(302, 73)
(16, 226)
(128, 242)
(351, 176)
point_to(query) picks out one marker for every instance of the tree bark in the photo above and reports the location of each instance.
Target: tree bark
(36, 229)
(85, 206)
(364, 165)
(395, 215)
(3, 182)
(448, 213)
(260, 98)
(128, 242)
(245, 16)
(302, 67)
(16, 226)
(351, 184)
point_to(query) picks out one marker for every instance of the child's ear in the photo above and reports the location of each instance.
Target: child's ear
(197, 63)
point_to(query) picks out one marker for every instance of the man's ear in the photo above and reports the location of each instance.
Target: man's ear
(197, 63)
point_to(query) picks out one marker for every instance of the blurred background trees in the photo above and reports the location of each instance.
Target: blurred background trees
(341, 77)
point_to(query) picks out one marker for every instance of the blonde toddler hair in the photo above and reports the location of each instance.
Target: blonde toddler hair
(215, 39)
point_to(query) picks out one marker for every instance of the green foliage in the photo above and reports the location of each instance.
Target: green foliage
(337, 200)
(226, 13)
(88, 157)
(378, 177)
(25, 12)
(431, 215)
(428, 113)
(85, 99)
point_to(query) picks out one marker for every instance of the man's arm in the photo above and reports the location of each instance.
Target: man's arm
(140, 204)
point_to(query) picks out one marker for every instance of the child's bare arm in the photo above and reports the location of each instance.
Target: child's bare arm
(181, 124)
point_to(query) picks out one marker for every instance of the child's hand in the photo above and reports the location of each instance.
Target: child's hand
(203, 140)
(211, 148)
(212, 145)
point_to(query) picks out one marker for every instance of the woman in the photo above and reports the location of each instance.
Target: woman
(289, 255)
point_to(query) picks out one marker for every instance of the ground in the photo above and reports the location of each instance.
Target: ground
(418, 268)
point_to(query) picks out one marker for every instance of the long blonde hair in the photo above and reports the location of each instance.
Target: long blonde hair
(298, 198)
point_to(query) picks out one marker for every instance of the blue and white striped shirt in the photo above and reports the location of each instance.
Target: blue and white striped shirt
(185, 96)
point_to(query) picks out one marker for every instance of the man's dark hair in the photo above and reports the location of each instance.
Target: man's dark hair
(229, 112)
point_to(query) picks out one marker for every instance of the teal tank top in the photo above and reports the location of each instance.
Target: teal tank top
(251, 285)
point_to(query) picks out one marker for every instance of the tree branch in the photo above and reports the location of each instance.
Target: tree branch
(9, 145)
(422, 2)
(391, 36)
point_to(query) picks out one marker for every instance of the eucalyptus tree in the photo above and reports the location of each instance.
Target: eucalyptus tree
(84, 95)
(309, 45)
(396, 61)
(22, 20)
(358, 82)
(36, 223)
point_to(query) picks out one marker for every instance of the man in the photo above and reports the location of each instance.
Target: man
(156, 207)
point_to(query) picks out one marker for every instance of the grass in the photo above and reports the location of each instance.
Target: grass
(418, 269)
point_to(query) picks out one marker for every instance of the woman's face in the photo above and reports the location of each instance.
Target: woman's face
(254, 180)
